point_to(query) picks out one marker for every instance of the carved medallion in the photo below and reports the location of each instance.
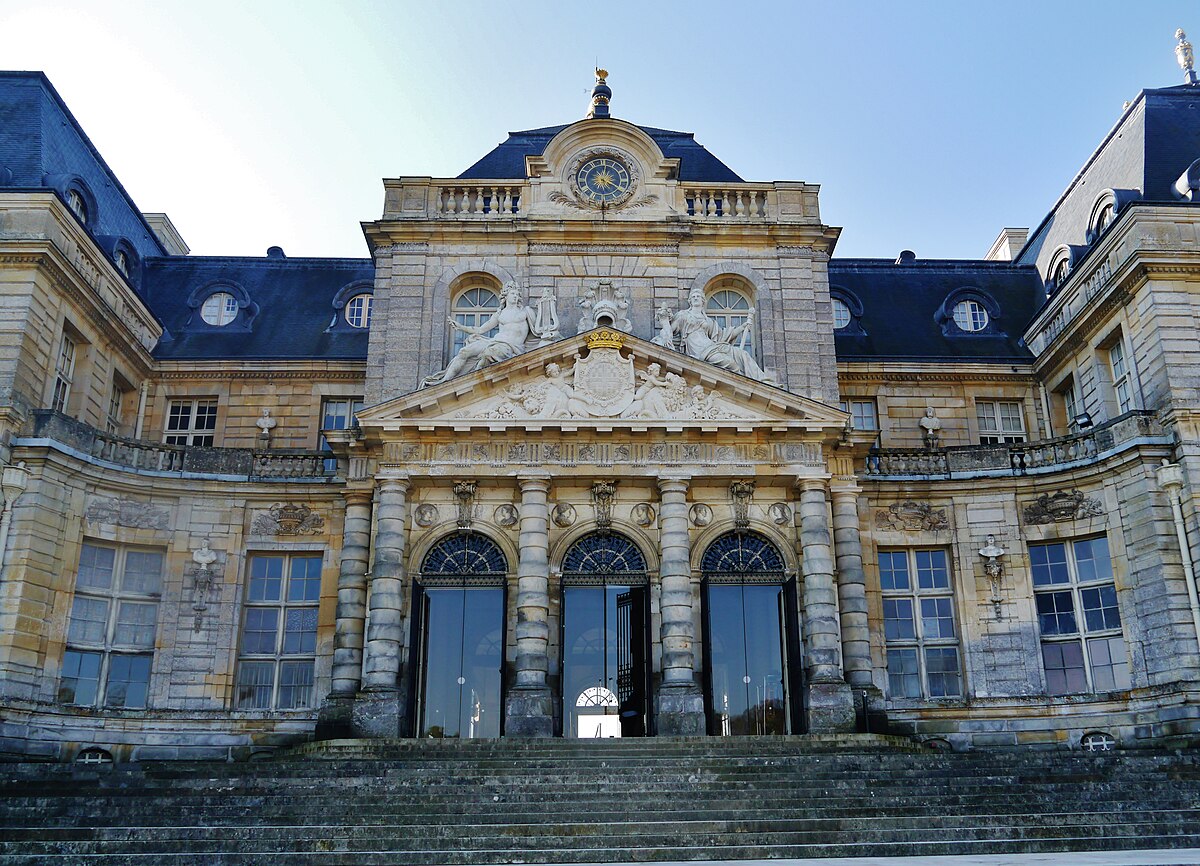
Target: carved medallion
(912, 516)
(288, 519)
(780, 513)
(425, 514)
(563, 514)
(701, 514)
(643, 514)
(506, 515)
(1061, 506)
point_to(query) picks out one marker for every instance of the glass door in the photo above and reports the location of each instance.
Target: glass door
(462, 659)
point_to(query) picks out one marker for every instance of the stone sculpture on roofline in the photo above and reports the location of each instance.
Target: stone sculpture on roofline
(515, 322)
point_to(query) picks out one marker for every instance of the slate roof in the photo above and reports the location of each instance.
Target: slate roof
(507, 159)
(900, 303)
(295, 307)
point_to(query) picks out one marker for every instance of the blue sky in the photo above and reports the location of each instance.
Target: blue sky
(929, 125)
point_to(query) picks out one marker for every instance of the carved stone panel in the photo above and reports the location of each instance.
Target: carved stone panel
(1061, 506)
(124, 512)
(288, 519)
(911, 516)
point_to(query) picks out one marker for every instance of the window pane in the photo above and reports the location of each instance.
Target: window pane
(89, 620)
(80, 678)
(206, 415)
(305, 581)
(1110, 666)
(1092, 560)
(179, 416)
(143, 572)
(1056, 613)
(985, 413)
(135, 624)
(295, 684)
(937, 618)
(262, 626)
(904, 674)
(266, 578)
(1064, 668)
(128, 681)
(898, 621)
(1100, 607)
(1010, 418)
(893, 569)
(300, 631)
(931, 569)
(1049, 564)
(941, 666)
(96, 567)
(254, 684)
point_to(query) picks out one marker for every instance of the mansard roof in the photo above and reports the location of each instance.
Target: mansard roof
(905, 306)
(289, 303)
(507, 159)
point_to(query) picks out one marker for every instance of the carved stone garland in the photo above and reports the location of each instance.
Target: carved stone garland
(464, 492)
(741, 492)
(603, 494)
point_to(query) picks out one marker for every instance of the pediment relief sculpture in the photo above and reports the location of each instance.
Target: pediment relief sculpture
(515, 323)
(697, 334)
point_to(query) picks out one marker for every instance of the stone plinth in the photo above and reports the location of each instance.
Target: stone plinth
(529, 712)
(830, 708)
(377, 714)
(679, 711)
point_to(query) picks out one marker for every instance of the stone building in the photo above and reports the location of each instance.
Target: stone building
(600, 439)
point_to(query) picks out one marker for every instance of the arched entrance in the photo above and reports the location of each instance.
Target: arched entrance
(458, 622)
(752, 664)
(605, 631)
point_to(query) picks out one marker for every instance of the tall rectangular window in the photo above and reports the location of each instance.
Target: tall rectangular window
(1083, 647)
(919, 624)
(110, 636)
(863, 414)
(118, 398)
(1000, 422)
(191, 422)
(64, 373)
(1121, 378)
(279, 632)
(337, 413)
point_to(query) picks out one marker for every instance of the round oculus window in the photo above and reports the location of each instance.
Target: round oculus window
(970, 316)
(219, 309)
(841, 314)
(358, 311)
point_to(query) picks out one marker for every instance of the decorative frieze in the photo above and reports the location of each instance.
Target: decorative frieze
(911, 516)
(126, 512)
(288, 519)
(1060, 507)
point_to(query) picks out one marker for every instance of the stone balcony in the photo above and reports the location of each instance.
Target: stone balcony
(1026, 458)
(156, 458)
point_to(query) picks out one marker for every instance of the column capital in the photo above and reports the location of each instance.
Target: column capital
(673, 483)
(844, 485)
(806, 483)
(393, 481)
(358, 495)
(534, 481)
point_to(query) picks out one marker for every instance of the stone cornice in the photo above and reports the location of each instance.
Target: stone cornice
(874, 371)
(316, 369)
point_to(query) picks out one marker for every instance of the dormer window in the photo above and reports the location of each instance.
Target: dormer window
(78, 205)
(970, 316)
(841, 314)
(358, 311)
(121, 260)
(219, 309)
(1104, 219)
(1060, 272)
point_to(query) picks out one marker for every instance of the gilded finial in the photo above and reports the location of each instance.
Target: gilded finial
(1186, 57)
(601, 94)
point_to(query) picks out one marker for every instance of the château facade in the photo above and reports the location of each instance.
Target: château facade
(600, 439)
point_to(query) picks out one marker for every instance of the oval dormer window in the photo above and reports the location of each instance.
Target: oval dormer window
(841, 314)
(219, 309)
(970, 316)
(358, 311)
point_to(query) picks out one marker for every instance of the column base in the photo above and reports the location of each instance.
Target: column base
(830, 708)
(679, 711)
(529, 712)
(335, 719)
(377, 715)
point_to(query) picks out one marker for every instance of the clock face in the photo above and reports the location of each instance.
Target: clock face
(603, 180)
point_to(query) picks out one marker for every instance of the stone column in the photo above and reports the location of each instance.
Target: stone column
(851, 584)
(679, 705)
(830, 703)
(380, 708)
(529, 710)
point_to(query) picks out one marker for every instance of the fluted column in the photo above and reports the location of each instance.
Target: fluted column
(528, 709)
(680, 706)
(830, 704)
(352, 594)
(384, 636)
(851, 584)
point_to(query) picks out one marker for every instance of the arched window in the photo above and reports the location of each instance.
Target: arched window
(1108, 213)
(78, 204)
(464, 554)
(970, 316)
(604, 555)
(744, 554)
(358, 311)
(219, 309)
(1060, 271)
(729, 304)
(472, 307)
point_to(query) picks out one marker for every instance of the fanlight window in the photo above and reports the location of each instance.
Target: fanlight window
(742, 553)
(219, 309)
(464, 554)
(471, 309)
(730, 308)
(604, 554)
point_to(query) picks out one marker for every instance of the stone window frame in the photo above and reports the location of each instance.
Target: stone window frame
(853, 404)
(353, 405)
(191, 435)
(996, 432)
(920, 644)
(66, 363)
(731, 317)
(281, 656)
(470, 315)
(1076, 585)
(105, 650)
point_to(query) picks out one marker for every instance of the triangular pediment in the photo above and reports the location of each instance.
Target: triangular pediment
(602, 380)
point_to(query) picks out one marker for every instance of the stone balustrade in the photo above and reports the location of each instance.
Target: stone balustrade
(144, 456)
(1025, 458)
(744, 201)
(477, 200)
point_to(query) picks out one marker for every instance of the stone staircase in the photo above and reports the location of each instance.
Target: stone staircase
(358, 803)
